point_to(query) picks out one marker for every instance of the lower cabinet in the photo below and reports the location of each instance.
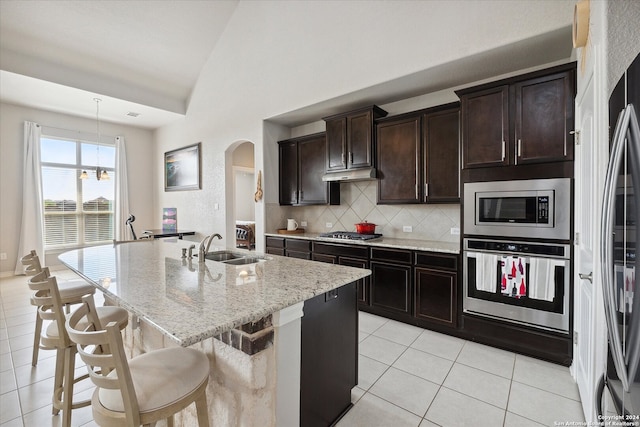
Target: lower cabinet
(410, 286)
(349, 255)
(391, 287)
(435, 296)
(435, 290)
(329, 356)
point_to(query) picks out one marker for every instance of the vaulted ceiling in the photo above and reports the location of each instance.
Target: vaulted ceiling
(142, 56)
(145, 56)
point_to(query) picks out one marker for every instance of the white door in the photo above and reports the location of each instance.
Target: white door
(589, 328)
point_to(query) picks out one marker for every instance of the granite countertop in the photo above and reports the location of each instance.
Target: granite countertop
(412, 244)
(191, 301)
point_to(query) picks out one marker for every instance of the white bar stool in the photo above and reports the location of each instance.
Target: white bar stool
(150, 387)
(71, 292)
(54, 337)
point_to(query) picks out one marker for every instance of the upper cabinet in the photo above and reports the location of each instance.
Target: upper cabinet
(418, 156)
(524, 119)
(302, 163)
(351, 139)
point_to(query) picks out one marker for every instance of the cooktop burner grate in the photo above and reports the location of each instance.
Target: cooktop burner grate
(350, 235)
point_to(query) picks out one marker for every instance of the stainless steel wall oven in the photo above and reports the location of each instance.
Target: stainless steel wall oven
(519, 282)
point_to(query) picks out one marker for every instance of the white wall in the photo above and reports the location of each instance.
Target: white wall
(139, 159)
(276, 57)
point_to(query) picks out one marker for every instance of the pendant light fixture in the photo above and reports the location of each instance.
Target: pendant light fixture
(101, 174)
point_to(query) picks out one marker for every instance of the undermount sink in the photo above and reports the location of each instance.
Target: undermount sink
(223, 256)
(242, 261)
(233, 258)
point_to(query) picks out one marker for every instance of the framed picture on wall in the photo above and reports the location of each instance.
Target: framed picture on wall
(182, 169)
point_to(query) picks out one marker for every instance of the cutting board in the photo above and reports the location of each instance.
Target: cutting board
(285, 231)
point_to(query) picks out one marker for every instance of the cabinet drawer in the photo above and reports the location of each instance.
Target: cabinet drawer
(275, 242)
(298, 254)
(275, 251)
(391, 255)
(298, 245)
(436, 260)
(351, 251)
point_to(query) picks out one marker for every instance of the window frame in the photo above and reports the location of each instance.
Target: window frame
(80, 214)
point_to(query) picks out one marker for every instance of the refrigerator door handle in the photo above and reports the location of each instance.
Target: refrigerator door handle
(632, 344)
(606, 246)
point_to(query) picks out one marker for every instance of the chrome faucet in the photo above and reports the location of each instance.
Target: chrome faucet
(202, 251)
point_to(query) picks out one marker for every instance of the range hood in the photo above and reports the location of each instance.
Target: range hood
(350, 175)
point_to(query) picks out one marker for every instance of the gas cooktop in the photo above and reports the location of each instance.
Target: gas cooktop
(350, 235)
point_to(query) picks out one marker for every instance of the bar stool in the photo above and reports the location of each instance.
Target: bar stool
(54, 337)
(140, 391)
(71, 292)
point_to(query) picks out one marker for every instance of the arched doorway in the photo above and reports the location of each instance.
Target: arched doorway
(243, 182)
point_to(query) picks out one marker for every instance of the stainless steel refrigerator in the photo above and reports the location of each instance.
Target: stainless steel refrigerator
(620, 234)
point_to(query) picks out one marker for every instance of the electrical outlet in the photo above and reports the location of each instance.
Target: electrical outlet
(455, 231)
(303, 223)
(3, 256)
(407, 228)
(329, 224)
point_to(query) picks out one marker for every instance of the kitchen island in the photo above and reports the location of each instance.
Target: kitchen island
(247, 318)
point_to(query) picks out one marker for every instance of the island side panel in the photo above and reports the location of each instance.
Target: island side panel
(329, 359)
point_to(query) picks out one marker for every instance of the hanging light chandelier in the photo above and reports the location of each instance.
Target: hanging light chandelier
(101, 174)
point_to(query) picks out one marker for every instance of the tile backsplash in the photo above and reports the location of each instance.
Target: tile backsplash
(358, 203)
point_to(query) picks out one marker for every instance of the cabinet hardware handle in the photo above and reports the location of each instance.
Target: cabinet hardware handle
(350, 157)
(503, 149)
(416, 186)
(519, 148)
(426, 190)
(588, 277)
(343, 158)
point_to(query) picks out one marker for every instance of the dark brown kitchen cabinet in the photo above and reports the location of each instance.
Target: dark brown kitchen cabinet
(399, 160)
(328, 356)
(520, 120)
(391, 280)
(298, 248)
(275, 245)
(351, 139)
(302, 164)
(441, 142)
(544, 118)
(418, 156)
(351, 256)
(435, 290)
(485, 127)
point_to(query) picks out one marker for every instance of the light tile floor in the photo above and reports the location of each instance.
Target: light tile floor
(408, 376)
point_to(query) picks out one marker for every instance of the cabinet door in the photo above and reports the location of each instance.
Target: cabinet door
(544, 118)
(362, 284)
(485, 128)
(391, 287)
(288, 173)
(328, 356)
(336, 155)
(435, 296)
(442, 156)
(398, 163)
(311, 157)
(359, 143)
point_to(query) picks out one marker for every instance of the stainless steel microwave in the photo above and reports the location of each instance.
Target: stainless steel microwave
(534, 208)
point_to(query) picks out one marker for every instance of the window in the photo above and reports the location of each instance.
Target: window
(76, 212)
